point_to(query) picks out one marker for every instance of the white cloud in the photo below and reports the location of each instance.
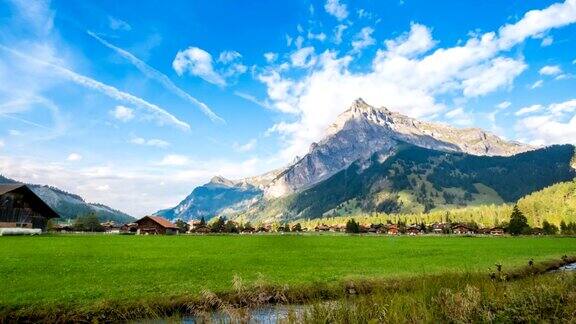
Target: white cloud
(547, 41)
(504, 105)
(74, 157)
(271, 57)
(299, 28)
(563, 107)
(459, 117)
(546, 129)
(338, 32)
(37, 14)
(118, 24)
(158, 113)
(152, 73)
(417, 41)
(319, 37)
(149, 142)
(228, 56)
(198, 62)
(288, 40)
(403, 76)
(303, 57)
(2, 143)
(498, 73)
(528, 110)
(537, 22)
(122, 113)
(363, 39)
(253, 99)
(174, 160)
(14, 132)
(362, 13)
(246, 147)
(550, 70)
(537, 84)
(299, 41)
(336, 9)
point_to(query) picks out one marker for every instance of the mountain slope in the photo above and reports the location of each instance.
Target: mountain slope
(70, 206)
(357, 134)
(219, 196)
(410, 179)
(362, 130)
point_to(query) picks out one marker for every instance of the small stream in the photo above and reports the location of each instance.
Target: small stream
(568, 267)
(262, 315)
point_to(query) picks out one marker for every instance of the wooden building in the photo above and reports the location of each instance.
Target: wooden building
(156, 225)
(20, 207)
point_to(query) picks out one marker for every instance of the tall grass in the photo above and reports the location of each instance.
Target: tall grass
(451, 297)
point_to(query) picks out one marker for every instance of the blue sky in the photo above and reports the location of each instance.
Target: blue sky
(134, 103)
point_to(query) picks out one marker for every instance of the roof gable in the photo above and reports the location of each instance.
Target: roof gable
(37, 203)
(160, 221)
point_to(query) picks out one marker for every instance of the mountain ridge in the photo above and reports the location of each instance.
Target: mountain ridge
(356, 134)
(70, 205)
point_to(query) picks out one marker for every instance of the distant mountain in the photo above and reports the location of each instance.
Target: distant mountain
(70, 206)
(412, 179)
(359, 135)
(362, 130)
(219, 196)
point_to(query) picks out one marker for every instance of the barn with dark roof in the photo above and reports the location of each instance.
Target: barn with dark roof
(20, 207)
(156, 225)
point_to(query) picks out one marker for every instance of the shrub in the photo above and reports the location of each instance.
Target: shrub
(352, 226)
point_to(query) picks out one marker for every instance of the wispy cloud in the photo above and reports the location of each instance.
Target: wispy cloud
(253, 99)
(152, 73)
(246, 147)
(149, 142)
(160, 114)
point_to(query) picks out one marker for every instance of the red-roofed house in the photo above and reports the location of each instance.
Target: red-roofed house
(156, 225)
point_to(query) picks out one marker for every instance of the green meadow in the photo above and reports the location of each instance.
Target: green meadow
(75, 271)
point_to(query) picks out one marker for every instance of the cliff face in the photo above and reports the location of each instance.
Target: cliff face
(362, 130)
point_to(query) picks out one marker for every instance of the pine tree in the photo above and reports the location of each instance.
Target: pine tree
(518, 222)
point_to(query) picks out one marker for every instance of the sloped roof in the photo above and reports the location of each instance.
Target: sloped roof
(36, 202)
(4, 188)
(160, 220)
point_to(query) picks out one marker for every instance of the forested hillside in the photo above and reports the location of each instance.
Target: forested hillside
(417, 180)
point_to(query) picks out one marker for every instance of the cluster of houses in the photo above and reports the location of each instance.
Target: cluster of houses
(22, 210)
(415, 229)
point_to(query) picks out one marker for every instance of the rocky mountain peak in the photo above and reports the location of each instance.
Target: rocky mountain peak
(219, 180)
(362, 129)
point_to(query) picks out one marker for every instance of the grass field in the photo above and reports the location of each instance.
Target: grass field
(77, 271)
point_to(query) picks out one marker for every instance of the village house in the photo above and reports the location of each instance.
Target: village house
(130, 228)
(460, 229)
(156, 225)
(321, 228)
(392, 229)
(438, 228)
(497, 231)
(413, 230)
(194, 224)
(111, 227)
(21, 210)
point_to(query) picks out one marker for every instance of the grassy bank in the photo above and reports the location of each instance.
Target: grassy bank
(125, 276)
(455, 299)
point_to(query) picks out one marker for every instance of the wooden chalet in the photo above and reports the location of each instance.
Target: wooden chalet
(413, 230)
(460, 229)
(20, 207)
(438, 228)
(497, 231)
(392, 229)
(322, 228)
(129, 228)
(156, 225)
